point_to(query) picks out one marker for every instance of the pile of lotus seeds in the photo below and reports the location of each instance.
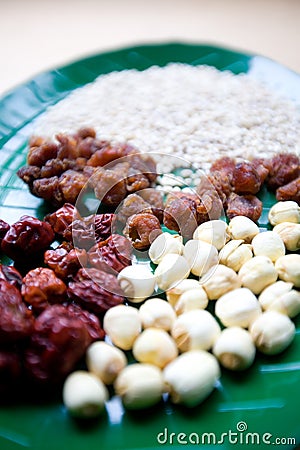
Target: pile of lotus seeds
(252, 277)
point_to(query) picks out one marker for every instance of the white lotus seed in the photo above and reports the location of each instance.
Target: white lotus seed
(237, 308)
(122, 324)
(258, 273)
(105, 361)
(84, 395)
(235, 253)
(287, 211)
(192, 377)
(195, 330)
(154, 346)
(157, 313)
(190, 300)
(241, 227)
(171, 270)
(268, 244)
(200, 255)
(235, 349)
(213, 232)
(288, 268)
(282, 298)
(290, 234)
(139, 386)
(272, 332)
(219, 280)
(137, 282)
(164, 244)
(183, 286)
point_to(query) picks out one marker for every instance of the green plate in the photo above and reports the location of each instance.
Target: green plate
(260, 405)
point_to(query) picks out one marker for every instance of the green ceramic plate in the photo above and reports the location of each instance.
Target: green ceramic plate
(259, 406)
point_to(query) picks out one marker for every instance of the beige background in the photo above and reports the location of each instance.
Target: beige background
(39, 35)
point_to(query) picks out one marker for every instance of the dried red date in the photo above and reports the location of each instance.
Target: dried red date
(12, 275)
(111, 255)
(61, 219)
(60, 338)
(65, 262)
(244, 205)
(141, 229)
(89, 230)
(28, 237)
(104, 225)
(42, 287)
(16, 320)
(4, 227)
(10, 369)
(95, 290)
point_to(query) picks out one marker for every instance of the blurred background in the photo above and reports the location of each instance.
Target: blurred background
(37, 35)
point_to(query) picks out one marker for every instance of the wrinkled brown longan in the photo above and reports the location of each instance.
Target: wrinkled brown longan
(109, 184)
(141, 229)
(16, 320)
(184, 212)
(261, 169)
(290, 191)
(244, 205)
(224, 164)
(26, 238)
(155, 199)
(109, 153)
(111, 255)
(95, 290)
(283, 169)
(71, 184)
(42, 287)
(65, 262)
(57, 171)
(217, 181)
(132, 204)
(40, 151)
(180, 213)
(59, 340)
(245, 179)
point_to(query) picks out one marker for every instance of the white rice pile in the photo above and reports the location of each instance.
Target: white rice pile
(197, 113)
